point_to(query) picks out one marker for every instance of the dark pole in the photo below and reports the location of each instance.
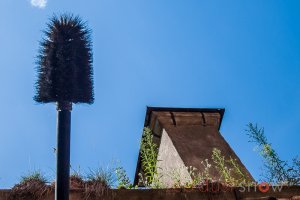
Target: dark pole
(63, 150)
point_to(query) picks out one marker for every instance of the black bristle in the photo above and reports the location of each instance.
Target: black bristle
(65, 72)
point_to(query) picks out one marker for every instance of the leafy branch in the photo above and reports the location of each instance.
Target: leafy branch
(278, 171)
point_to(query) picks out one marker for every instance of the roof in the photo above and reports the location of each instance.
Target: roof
(172, 109)
(176, 113)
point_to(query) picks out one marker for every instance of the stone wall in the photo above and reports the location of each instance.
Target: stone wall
(287, 193)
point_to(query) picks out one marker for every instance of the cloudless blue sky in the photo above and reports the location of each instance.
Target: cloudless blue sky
(243, 56)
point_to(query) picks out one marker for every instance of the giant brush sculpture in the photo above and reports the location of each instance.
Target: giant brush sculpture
(65, 76)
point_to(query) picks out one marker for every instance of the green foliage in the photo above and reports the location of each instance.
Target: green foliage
(241, 177)
(228, 169)
(205, 174)
(32, 186)
(103, 176)
(191, 181)
(149, 153)
(196, 178)
(98, 182)
(76, 179)
(122, 179)
(277, 170)
(36, 175)
(295, 171)
(76, 173)
(220, 162)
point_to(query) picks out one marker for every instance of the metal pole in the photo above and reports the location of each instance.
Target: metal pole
(63, 151)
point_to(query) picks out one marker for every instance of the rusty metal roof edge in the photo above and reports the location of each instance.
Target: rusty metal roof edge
(175, 109)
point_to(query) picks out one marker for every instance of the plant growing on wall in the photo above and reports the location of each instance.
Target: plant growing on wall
(191, 181)
(98, 182)
(205, 174)
(122, 179)
(32, 186)
(277, 170)
(149, 153)
(229, 169)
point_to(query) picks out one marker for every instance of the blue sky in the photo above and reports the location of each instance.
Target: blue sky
(243, 56)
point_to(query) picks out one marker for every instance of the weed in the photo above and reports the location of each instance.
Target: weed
(223, 170)
(228, 169)
(77, 180)
(122, 179)
(34, 176)
(277, 170)
(205, 174)
(98, 183)
(32, 186)
(191, 180)
(102, 175)
(149, 153)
